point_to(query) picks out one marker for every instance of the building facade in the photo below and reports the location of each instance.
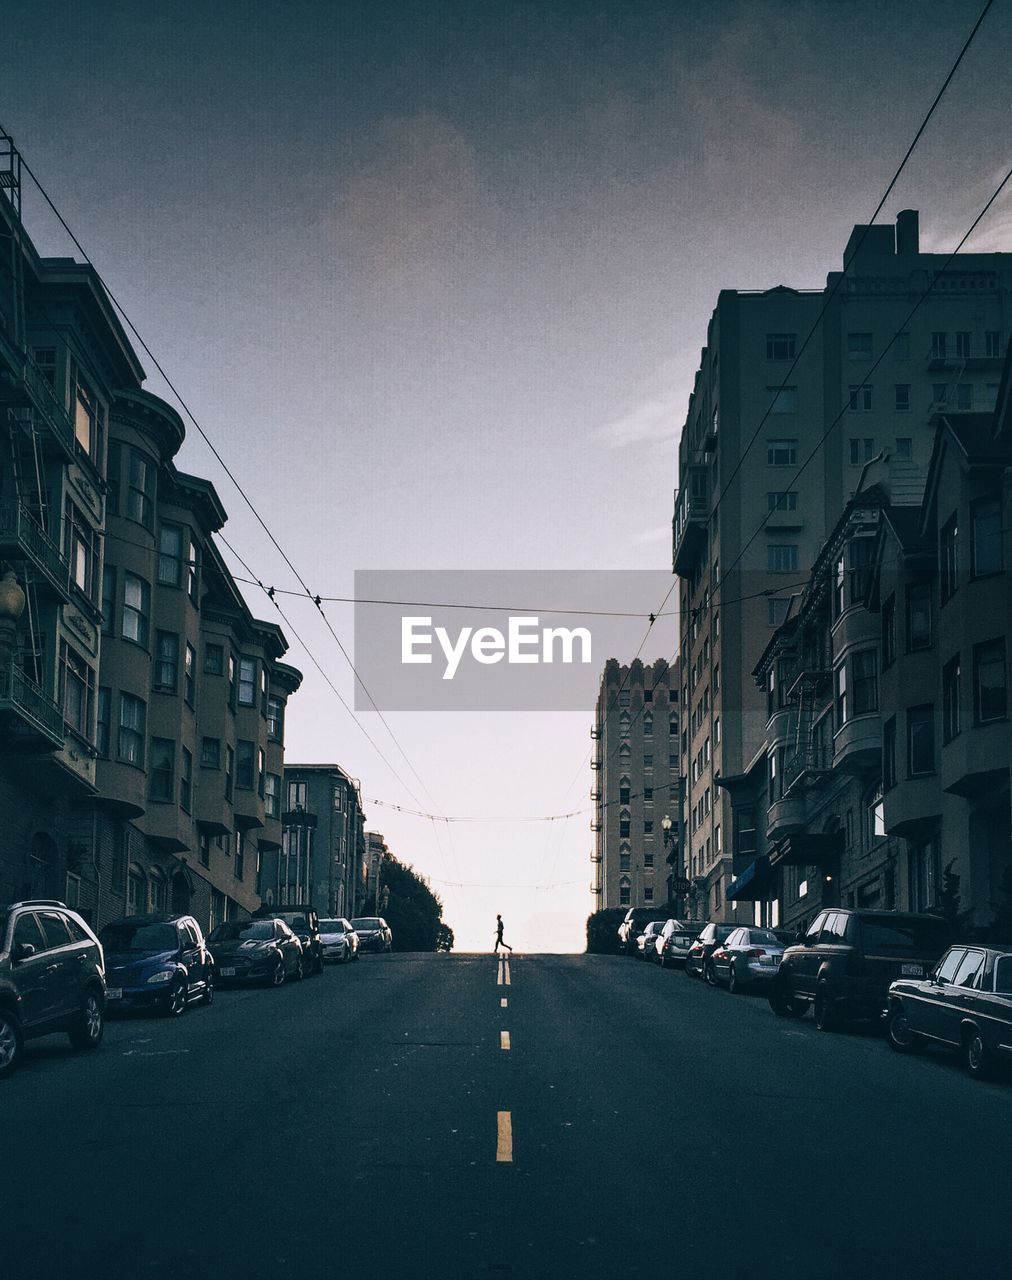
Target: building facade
(376, 853)
(634, 785)
(747, 528)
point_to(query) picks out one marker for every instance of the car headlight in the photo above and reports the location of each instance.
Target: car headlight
(163, 975)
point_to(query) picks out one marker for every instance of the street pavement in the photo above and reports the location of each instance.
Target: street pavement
(460, 1118)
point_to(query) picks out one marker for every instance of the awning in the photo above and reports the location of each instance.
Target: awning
(750, 886)
(805, 849)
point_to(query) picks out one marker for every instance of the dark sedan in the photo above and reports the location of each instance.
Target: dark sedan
(965, 1005)
(675, 943)
(256, 951)
(373, 933)
(156, 962)
(699, 959)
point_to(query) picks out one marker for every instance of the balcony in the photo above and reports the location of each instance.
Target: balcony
(813, 675)
(595, 826)
(786, 815)
(938, 361)
(31, 721)
(595, 764)
(595, 794)
(23, 538)
(595, 731)
(807, 768)
(688, 528)
(24, 385)
(976, 761)
(857, 746)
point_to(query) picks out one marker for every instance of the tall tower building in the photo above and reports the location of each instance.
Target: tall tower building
(885, 371)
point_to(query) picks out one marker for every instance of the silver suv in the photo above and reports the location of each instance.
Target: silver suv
(52, 978)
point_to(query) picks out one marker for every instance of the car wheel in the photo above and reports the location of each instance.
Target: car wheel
(177, 999)
(10, 1042)
(976, 1058)
(710, 973)
(733, 985)
(89, 1023)
(303, 969)
(278, 974)
(825, 1013)
(782, 1003)
(898, 1033)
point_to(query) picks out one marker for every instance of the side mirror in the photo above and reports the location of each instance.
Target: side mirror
(24, 951)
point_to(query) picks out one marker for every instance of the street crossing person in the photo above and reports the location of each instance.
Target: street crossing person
(498, 936)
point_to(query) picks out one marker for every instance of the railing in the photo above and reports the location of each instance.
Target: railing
(811, 762)
(18, 527)
(22, 695)
(40, 395)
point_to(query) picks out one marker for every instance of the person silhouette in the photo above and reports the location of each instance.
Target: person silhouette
(498, 937)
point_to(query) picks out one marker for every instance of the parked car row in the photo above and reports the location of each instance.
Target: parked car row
(57, 974)
(899, 968)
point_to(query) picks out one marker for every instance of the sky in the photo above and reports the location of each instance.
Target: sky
(434, 277)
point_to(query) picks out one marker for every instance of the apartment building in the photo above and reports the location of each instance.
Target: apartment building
(141, 703)
(884, 776)
(749, 524)
(322, 855)
(636, 821)
(376, 853)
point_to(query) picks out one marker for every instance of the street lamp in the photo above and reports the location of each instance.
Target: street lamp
(679, 885)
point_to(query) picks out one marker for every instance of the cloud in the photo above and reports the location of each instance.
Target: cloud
(655, 419)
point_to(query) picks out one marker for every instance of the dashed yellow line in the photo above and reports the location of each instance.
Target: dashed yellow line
(504, 1145)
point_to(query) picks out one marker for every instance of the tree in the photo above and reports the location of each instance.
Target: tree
(413, 911)
(602, 930)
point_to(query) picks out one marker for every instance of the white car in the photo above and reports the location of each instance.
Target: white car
(338, 940)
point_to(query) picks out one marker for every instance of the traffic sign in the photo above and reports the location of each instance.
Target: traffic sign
(680, 886)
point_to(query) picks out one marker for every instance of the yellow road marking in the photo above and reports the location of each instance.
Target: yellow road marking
(504, 1145)
(504, 1039)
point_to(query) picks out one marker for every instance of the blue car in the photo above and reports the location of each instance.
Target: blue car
(156, 962)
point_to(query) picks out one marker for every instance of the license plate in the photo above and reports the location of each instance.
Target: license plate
(227, 973)
(114, 993)
(912, 970)
(769, 959)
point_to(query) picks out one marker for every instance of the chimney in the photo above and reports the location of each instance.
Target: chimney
(907, 233)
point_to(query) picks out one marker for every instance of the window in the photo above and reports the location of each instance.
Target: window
(990, 400)
(782, 558)
(140, 504)
(888, 632)
(859, 557)
(136, 608)
(889, 754)
(214, 659)
(103, 728)
(950, 699)
(210, 753)
(189, 674)
(985, 537)
(297, 795)
(162, 768)
(920, 741)
(239, 861)
(964, 397)
(229, 771)
(864, 679)
(132, 718)
(904, 447)
(902, 397)
(170, 555)
(231, 680)
(839, 582)
(648, 762)
(624, 888)
(77, 692)
(861, 451)
(874, 817)
(841, 695)
(859, 398)
(780, 346)
(782, 453)
(992, 344)
(261, 772)
(782, 501)
(948, 550)
(776, 610)
(244, 764)
(745, 831)
(990, 692)
(623, 697)
(166, 671)
(964, 344)
(901, 346)
(969, 966)
(247, 682)
(86, 418)
(192, 577)
(83, 551)
(939, 344)
(137, 890)
(648, 725)
(275, 719)
(940, 393)
(272, 796)
(859, 346)
(186, 781)
(716, 732)
(108, 600)
(204, 849)
(918, 616)
(783, 399)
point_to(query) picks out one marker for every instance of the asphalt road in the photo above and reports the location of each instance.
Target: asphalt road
(372, 1122)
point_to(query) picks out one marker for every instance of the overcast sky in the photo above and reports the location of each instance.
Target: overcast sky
(435, 277)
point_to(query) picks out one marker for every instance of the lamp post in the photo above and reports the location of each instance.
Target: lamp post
(666, 825)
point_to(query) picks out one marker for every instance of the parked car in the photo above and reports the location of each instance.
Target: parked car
(674, 943)
(52, 978)
(373, 933)
(339, 940)
(646, 942)
(303, 921)
(697, 960)
(156, 961)
(966, 1004)
(255, 951)
(636, 919)
(748, 957)
(846, 960)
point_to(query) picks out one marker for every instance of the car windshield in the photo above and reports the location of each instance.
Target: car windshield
(763, 937)
(243, 931)
(119, 938)
(902, 937)
(723, 932)
(365, 922)
(332, 926)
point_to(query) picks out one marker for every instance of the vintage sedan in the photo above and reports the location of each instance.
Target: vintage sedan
(966, 1005)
